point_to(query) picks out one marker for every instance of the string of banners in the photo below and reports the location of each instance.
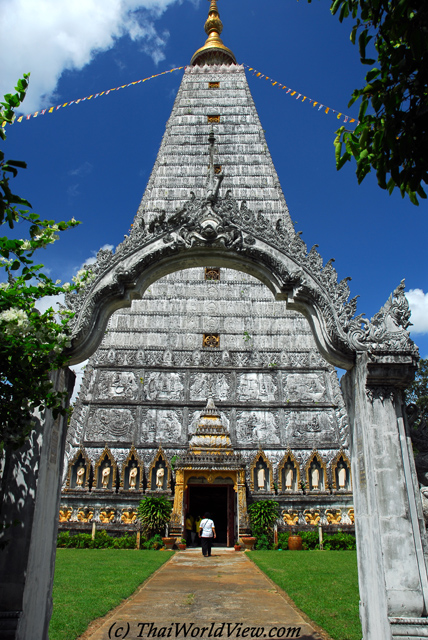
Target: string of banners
(256, 73)
(95, 95)
(292, 92)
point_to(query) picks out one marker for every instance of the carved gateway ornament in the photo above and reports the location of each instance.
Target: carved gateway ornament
(236, 237)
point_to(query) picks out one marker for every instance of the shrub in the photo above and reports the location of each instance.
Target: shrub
(283, 540)
(101, 541)
(263, 515)
(153, 543)
(263, 543)
(154, 513)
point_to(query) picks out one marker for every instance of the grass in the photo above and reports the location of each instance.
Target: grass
(90, 582)
(323, 584)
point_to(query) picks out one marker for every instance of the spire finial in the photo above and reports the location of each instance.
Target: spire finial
(213, 51)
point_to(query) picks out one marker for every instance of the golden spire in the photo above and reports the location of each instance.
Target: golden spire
(213, 51)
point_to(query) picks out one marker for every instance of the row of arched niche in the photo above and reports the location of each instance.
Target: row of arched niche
(314, 476)
(105, 475)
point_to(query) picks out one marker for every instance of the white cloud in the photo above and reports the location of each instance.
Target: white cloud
(49, 36)
(43, 304)
(418, 301)
(93, 258)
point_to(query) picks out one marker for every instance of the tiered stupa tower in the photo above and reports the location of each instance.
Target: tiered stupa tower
(278, 428)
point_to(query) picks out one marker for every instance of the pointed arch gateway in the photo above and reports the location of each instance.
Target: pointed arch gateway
(238, 218)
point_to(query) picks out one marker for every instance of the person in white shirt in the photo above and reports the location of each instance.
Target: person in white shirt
(207, 534)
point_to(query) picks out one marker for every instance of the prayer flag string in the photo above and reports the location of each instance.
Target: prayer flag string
(256, 73)
(48, 110)
(292, 92)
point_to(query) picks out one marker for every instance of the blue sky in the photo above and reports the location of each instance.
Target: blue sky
(92, 160)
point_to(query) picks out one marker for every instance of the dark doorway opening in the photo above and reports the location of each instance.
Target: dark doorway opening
(220, 502)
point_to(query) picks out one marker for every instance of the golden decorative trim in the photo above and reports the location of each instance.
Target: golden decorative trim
(334, 464)
(210, 475)
(290, 517)
(159, 455)
(107, 515)
(256, 458)
(312, 516)
(214, 85)
(212, 273)
(212, 119)
(316, 456)
(65, 514)
(85, 514)
(128, 516)
(289, 456)
(80, 453)
(351, 515)
(177, 510)
(106, 455)
(211, 341)
(132, 455)
(334, 516)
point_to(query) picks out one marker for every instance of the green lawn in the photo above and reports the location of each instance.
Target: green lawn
(90, 582)
(323, 584)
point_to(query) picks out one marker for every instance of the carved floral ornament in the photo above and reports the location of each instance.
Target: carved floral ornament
(234, 235)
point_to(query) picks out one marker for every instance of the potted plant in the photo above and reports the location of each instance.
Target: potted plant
(181, 544)
(248, 542)
(168, 542)
(237, 546)
(295, 541)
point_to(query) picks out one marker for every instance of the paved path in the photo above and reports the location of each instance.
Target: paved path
(191, 593)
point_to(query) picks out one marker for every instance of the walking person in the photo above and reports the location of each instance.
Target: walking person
(207, 534)
(188, 525)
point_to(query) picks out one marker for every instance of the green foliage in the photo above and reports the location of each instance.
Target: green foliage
(263, 515)
(155, 543)
(263, 542)
(417, 394)
(32, 343)
(391, 136)
(154, 513)
(90, 583)
(339, 541)
(283, 540)
(101, 541)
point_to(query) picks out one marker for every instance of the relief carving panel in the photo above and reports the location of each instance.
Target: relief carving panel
(202, 385)
(310, 427)
(257, 426)
(117, 384)
(304, 387)
(163, 385)
(161, 425)
(110, 424)
(256, 386)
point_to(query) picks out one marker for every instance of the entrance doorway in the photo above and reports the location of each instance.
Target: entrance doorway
(219, 500)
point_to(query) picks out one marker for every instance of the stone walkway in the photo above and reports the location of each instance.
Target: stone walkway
(196, 597)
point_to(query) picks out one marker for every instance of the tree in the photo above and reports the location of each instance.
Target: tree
(31, 343)
(417, 413)
(393, 138)
(417, 395)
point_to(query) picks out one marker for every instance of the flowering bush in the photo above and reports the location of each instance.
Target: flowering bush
(32, 343)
